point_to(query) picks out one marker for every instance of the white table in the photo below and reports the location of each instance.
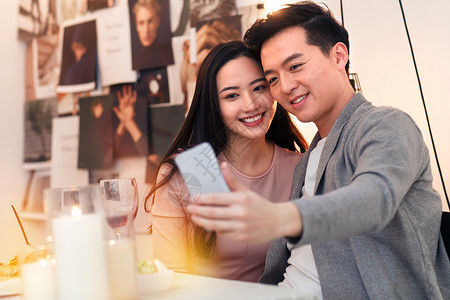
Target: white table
(187, 287)
(194, 287)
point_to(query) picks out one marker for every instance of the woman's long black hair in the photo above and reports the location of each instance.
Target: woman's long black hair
(204, 123)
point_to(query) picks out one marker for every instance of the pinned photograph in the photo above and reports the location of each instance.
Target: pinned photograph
(114, 45)
(153, 86)
(201, 10)
(129, 121)
(165, 122)
(206, 35)
(64, 164)
(79, 56)
(42, 67)
(151, 38)
(96, 146)
(38, 130)
(69, 9)
(91, 5)
(36, 18)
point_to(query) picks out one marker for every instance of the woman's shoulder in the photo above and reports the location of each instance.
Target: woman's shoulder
(286, 156)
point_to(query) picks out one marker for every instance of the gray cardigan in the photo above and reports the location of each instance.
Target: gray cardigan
(374, 221)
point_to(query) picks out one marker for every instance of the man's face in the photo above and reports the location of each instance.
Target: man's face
(147, 23)
(302, 79)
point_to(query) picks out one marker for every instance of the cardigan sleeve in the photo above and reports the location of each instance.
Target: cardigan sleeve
(376, 162)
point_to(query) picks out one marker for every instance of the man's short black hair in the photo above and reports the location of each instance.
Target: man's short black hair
(322, 29)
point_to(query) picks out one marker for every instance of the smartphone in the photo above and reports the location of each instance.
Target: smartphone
(201, 171)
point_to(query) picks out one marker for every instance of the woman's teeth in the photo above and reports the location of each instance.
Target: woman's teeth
(299, 99)
(252, 119)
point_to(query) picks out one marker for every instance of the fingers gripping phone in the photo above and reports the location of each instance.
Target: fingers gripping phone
(201, 171)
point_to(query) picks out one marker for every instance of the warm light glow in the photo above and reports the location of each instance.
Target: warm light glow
(274, 5)
(76, 211)
(43, 262)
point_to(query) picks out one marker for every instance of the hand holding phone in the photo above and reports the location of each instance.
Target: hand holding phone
(201, 171)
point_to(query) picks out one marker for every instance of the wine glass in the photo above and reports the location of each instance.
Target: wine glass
(120, 202)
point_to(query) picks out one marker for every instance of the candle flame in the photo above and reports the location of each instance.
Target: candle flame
(76, 211)
(43, 262)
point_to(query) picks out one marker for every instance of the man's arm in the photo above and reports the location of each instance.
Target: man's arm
(244, 215)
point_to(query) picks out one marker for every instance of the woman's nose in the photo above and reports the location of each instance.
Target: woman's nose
(249, 102)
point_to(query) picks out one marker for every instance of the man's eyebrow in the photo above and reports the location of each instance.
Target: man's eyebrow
(285, 61)
(228, 88)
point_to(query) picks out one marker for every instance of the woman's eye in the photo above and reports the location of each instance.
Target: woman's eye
(231, 96)
(259, 88)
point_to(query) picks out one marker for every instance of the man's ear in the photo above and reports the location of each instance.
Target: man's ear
(340, 53)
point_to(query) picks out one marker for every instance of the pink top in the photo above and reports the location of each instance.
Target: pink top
(231, 259)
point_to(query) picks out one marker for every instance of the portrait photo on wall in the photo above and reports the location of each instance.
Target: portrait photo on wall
(208, 34)
(91, 5)
(165, 122)
(38, 129)
(34, 195)
(68, 9)
(96, 146)
(151, 39)
(130, 127)
(42, 67)
(153, 86)
(201, 10)
(79, 56)
(36, 18)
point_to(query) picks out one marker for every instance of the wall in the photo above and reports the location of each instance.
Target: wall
(12, 177)
(379, 54)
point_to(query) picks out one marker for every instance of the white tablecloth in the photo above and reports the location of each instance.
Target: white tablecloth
(193, 287)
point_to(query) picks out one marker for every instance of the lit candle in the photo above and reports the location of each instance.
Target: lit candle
(81, 266)
(122, 269)
(38, 280)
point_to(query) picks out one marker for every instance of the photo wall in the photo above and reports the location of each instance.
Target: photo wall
(108, 80)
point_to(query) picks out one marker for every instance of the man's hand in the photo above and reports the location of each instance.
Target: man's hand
(244, 215)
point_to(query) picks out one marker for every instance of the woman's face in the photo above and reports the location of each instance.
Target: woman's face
(246, 104)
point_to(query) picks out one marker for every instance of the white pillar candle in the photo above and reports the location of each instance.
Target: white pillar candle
(38, 280)
(81, 267)
(122, 269)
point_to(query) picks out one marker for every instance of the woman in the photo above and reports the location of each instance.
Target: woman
(233, 110)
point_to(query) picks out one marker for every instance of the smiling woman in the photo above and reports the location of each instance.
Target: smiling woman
(233, 110)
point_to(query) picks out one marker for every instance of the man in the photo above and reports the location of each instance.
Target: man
(153, 52)
(83, 46)
(365, 220)
(147, 21)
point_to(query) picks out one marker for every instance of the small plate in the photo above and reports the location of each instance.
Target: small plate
(154, 282)
(10, 287)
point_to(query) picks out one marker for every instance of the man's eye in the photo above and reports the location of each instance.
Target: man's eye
(272, 80)
(296, 66)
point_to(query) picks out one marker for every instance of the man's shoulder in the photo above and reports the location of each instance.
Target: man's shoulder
(373, 114)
